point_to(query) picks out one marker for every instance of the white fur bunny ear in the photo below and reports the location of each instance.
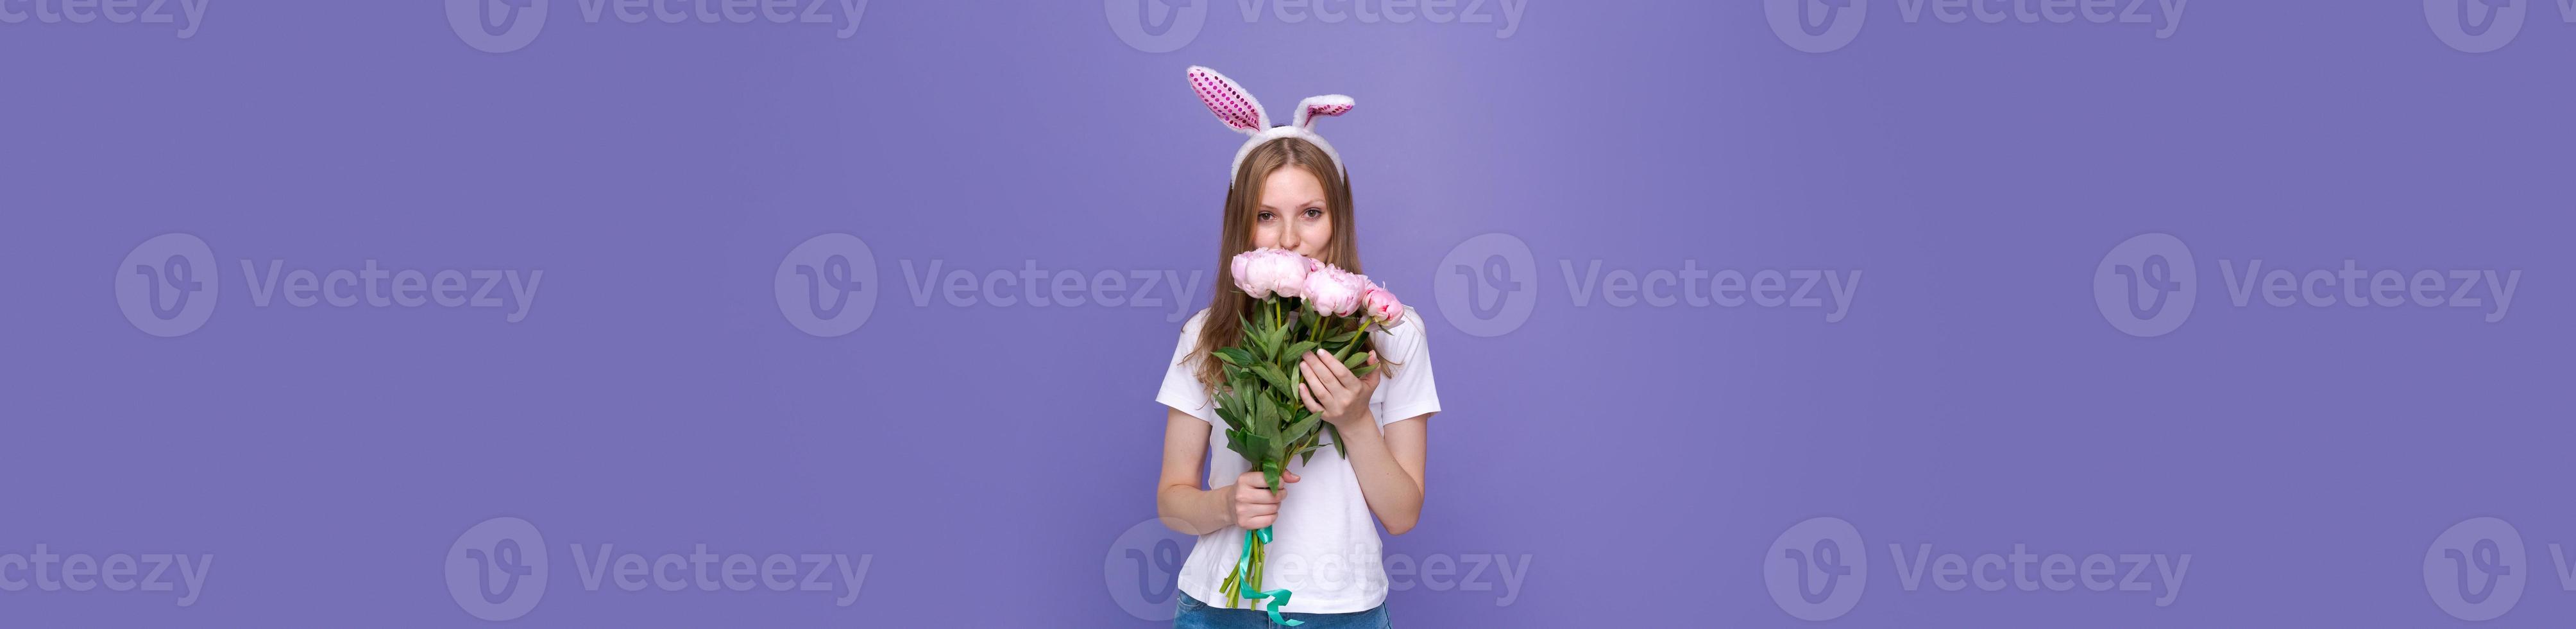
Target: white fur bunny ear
(1318, 106)
(1232, 104)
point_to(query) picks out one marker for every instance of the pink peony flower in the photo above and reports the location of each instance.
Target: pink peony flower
(1333, 291)
(1381, 306)
(1262, 273)
(1242, 268)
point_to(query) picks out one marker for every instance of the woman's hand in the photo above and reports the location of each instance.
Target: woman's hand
(1331, 391)
(1252, 504)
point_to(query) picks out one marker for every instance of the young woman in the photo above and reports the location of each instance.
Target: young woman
(1290, 192)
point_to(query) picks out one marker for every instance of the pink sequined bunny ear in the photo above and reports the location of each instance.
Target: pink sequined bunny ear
(1232, 104)
(1318, 106)
(1235, 107)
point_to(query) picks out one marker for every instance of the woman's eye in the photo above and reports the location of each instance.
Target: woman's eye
(1264, 216)
(1314, 213)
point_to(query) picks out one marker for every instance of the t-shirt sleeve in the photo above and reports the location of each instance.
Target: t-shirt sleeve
(1181, 388)
(1410, 391)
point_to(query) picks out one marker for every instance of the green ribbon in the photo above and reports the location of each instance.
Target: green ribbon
(1243, 576)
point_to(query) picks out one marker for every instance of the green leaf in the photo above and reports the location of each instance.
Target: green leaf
(1265, 419)
(1278, 337)
(1271, 375)
(1232, 413)
(1304, 429)
(1270, 472)
(1241, 443)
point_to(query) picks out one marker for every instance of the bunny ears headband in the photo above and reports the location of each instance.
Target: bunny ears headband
(1236, 107)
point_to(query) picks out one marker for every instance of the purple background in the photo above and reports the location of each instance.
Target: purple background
(988, 457)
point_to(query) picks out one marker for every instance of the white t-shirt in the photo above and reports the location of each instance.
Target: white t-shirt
(1324, 547)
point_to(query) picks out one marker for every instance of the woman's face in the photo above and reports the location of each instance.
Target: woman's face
(1293, 214)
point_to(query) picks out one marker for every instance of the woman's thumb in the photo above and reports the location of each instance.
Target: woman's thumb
(1288, 476)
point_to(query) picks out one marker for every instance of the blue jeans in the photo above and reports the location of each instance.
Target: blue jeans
(1197, 615)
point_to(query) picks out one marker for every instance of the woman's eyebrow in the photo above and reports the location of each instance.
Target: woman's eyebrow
(1308, 202)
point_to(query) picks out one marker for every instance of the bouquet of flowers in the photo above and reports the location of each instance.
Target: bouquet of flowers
(1305, 305)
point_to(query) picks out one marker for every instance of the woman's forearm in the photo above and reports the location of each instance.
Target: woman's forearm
(1188, 509)
(1392, 492)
